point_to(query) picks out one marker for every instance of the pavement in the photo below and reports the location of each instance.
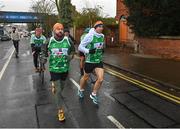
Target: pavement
(163, 70)
(26, 103)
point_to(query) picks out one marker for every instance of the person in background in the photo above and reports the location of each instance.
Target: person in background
(81, 54)
(37, 41)
(71, 38)
(15, 38)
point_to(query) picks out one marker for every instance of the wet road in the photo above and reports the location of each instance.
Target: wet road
(25, 102)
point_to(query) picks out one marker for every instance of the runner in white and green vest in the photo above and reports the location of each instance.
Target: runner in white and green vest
(81, 54)
(96, 43)
(92, 47)
(60, 50)
(37, 41)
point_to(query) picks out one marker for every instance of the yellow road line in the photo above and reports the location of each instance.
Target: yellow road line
(145, 86)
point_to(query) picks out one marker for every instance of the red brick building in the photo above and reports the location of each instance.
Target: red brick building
(121, 9)
(125, 33)
(166, 47)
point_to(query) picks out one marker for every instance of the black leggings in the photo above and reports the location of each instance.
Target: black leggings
(16, 45)
(35, 57)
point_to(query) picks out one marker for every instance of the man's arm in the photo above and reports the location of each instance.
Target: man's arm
(18, 35)
(87, 39)
(44, 39)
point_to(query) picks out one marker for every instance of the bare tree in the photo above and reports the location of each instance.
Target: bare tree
(48, 9)
(43, 6)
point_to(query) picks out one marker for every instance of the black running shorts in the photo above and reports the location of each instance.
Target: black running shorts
(89, 67)
(81, 54)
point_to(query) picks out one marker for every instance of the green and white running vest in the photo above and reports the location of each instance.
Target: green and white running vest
(59, 53)
(98, 43)
(38, 42)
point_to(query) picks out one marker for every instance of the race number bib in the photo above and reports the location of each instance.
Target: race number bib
(98, 45)
(59, 52)
(65, 51)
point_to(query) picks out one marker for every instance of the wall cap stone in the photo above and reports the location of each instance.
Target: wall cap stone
(162, 37)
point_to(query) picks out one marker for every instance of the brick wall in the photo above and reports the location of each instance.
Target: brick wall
(121, 9)
(167, 47)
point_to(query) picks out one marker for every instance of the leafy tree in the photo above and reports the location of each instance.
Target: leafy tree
(154, 17)
(88, 17)
(64, 8)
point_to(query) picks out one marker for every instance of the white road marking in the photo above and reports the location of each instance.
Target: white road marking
(111, 118)
(75, 83)
(30, 79)
(8, 53)
(28, 52)
(6, 64)
(116, 122)
(24, 54)
(109, 96)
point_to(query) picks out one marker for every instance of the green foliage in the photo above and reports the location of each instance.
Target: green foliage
(154, 17)
(109, 21)
(89, 16)
(65, 8)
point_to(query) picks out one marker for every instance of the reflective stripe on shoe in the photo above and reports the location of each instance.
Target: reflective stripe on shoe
(94, 98)
(81, 94)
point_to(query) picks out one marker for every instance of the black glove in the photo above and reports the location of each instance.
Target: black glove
(33, 47)
(102, 50)
(92, 51)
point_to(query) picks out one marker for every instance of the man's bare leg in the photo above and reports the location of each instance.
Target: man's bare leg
(100, 77)
(83, 82)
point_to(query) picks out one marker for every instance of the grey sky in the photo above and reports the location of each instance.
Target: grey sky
(109, 6)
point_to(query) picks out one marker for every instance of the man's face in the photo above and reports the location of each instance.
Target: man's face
(66, 33)
(99, 29)
(14, 29)
(38, 33)
(59, 32)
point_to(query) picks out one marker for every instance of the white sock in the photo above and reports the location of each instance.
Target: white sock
(81, 89)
